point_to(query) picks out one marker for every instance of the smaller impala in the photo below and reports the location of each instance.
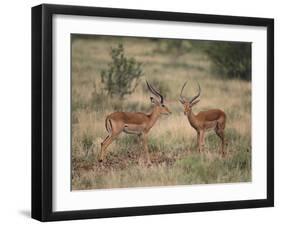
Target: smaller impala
(137, 123)
(205, 120)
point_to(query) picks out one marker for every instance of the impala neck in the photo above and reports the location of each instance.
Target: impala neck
(192, 119)
(154, 115)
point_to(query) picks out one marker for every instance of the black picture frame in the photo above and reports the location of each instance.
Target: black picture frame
(42, 106)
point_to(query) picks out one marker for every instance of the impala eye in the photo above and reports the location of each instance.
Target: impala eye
(162, 105)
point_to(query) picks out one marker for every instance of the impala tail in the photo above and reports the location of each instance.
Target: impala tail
(108, 125)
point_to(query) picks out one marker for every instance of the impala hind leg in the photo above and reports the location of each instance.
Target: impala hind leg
(220, 133)
(107, 141)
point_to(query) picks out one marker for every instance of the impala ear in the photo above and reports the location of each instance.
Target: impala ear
(194, 102)
(153, 100)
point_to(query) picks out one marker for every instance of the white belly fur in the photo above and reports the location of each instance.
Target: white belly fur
(133, 129)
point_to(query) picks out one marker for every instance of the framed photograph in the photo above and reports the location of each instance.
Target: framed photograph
(145, 112)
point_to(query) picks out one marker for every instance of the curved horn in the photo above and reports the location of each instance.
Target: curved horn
(182, 98)
(150, 89)
(198, 95)
(155, 92)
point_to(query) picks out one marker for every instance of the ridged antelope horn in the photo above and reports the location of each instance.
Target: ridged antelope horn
(198, 95)
(155, 92)
(182, 98)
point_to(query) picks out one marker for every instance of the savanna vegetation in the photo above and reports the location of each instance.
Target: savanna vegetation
(167, 64)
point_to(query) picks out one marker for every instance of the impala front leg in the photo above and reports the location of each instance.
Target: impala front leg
(202, 141)
(198, 141)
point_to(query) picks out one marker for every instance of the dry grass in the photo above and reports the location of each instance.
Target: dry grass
(172, 142)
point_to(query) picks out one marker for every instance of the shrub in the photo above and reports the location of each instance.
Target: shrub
(229, 59)
(122, 75)
(232, 60)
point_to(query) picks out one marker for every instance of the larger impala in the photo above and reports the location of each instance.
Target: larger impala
(211, 119)
(137, 123)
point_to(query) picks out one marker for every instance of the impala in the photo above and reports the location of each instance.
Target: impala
(137, 123)
(213, 119)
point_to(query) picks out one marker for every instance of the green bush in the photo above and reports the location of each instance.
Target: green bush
(229, 59)
(122, 75)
